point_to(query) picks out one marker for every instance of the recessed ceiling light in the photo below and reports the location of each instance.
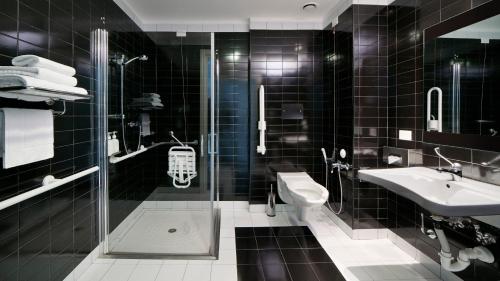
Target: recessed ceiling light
(311, 6)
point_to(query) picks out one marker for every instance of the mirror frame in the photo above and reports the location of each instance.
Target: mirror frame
(464, 19)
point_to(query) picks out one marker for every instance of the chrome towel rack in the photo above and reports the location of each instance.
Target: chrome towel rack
(49, 183)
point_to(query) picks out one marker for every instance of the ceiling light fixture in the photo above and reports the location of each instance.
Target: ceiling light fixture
(311, 6)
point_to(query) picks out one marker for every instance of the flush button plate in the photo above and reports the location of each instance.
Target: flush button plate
(292, 111)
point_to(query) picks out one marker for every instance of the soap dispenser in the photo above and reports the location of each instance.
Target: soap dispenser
(110, 145)
(116, 144)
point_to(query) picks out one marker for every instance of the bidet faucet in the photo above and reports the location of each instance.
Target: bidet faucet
(455, 169)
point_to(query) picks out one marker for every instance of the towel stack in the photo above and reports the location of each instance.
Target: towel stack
(147, 102)
(38, 72)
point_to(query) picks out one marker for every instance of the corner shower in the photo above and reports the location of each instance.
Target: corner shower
(144, 213)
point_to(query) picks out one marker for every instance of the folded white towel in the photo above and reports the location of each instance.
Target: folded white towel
(153, 95)
(40, 73)
(146, 100)
(36, 61)
(27, 136)
(14, 80)
(147, 104)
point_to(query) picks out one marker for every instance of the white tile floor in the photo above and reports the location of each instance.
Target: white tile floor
(358, 260)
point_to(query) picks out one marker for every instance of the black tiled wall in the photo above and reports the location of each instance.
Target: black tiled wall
(356, 62)
(407, 21)
(233, 54)
(45, 237)
(130, 181)
(289, 65)
(180, 101)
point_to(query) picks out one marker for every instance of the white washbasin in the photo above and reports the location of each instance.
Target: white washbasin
(436, 192)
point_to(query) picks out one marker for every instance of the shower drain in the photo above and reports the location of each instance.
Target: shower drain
(172, 230)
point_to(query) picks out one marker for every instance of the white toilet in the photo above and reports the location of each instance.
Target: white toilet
(300, 190)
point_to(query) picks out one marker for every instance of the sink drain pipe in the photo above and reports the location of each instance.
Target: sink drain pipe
(465, 256)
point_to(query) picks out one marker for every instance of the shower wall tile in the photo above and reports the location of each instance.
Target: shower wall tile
(290, 66)
(130, 181)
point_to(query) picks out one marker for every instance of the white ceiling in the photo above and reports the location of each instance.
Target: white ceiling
(164, 12)
(486, 29)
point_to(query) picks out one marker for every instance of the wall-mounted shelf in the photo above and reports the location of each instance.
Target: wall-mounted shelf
(146, 108)
(34, 94)
(116, 159)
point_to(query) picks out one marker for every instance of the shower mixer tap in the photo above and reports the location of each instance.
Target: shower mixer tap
(334, 163)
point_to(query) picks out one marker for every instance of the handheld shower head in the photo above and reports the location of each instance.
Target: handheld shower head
(324, 155)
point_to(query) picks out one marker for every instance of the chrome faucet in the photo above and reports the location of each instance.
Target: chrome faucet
(455, 169)
(341, 166)
(335, 164)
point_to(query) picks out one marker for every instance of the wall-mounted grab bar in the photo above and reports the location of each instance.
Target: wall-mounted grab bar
(116, 159)
(49, 183)
(432, 123)
(261, 148)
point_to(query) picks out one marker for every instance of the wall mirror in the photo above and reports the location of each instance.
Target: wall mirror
(462, 74)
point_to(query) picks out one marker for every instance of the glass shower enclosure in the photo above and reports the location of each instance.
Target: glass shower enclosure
(159, 102)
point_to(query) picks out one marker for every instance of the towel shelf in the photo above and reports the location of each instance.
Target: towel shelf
(38, 94)
(49, 183)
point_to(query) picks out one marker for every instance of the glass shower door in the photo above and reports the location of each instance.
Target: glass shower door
(145, 213)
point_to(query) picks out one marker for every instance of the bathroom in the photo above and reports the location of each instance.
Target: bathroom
(249, 140)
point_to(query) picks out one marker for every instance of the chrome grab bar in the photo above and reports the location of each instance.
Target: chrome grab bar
(49, 183)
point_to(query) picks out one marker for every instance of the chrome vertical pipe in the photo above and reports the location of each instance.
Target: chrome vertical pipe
(99, 43)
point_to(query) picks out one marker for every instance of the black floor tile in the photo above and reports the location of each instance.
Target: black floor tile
(263, 231)
(302, 231)
(317, 255)
(244, 232)
(294, 256)
(308, 242)
(247, 257)
(246, 243)
(276, 272)
(327, 272)
(282, 254)
(302, 272)
(250, 273)
(288, 242)
(267, 242)
(283, 231)
(271, 256)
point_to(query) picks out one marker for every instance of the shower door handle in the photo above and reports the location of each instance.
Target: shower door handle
(201, 145)
(215, 149)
